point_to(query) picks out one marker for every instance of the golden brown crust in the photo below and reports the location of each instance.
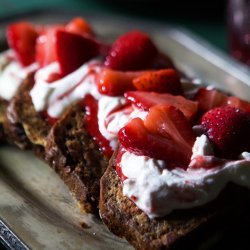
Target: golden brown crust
(72, 153)
(124, 219)
(22, 112)
(24, 126)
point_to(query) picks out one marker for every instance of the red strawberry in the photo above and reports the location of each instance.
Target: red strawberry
(165, 81)
(131, 51)
(73, 50)
(238, 103)
(91, 124)
(79, 26)
(228, 128)
(21, 38)
(145, 100)
(114, 82)
(169, 121)
(209, 99)
(138, 140)
(45, 46)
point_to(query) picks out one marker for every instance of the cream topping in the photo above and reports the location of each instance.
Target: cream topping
(158, 191)
(55, 97)
(12, 74)
(111, 122)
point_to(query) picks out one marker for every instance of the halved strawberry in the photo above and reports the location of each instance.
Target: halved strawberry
(209, 99)
(133, 50)
(79, 26)
(145, 100)
(114, 82)
(21, 37)
(73, 50)
(165, 134)
(168, 121)
(228, 128)
(45, 46)
(163, 81)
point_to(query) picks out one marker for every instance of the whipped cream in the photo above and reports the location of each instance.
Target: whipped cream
(158, 191)
(12, 73)
(111, 122)
(57, 96)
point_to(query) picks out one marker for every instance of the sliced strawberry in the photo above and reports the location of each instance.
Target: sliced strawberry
(114, 83)
(169, 121)
(45, 46)
(133, 50)
(163, 81)
(79, 26)
(21, 37)
(228, 128)
(209, 99)
(73, 50)
(91, 124)
(145, 100)
(138, 140)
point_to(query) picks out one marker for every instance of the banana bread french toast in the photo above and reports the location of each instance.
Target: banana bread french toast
(205, 227)
(73, 154)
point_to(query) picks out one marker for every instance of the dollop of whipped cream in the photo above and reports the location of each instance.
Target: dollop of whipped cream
(12, 73)
(158, 191)
(57, 96)
(111, 122)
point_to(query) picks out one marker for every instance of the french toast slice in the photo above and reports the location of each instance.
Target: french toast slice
(206, 227)
(73, 154)
(23, 125)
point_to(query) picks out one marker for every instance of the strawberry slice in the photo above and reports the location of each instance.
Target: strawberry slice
(45, 46)
(73, 50)
(114, 82)
(209, 99)
(133, 50)
(90, 104)
(156, 142)
(145, 100)
(168, 121)
(21, 37)
(166, 80)
(228, 128)
(79, 26)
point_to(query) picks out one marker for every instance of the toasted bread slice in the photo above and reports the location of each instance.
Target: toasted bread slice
(73, 154)
(23, 125)
(190, 228)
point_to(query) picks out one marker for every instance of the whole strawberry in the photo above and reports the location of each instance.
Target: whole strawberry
(228, 128)
(133, 50)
